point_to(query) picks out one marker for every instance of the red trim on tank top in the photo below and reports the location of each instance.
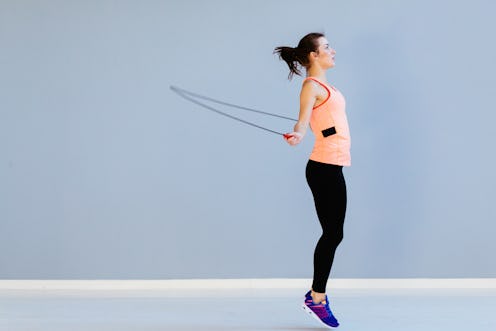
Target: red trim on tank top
(325, 86)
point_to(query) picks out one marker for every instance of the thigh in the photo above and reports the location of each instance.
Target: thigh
(329, 192)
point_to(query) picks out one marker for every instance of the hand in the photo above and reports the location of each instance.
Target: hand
(293, 138)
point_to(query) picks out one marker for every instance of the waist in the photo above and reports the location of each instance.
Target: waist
(319, 164)
(335, 151)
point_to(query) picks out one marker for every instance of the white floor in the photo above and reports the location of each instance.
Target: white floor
(245, 310)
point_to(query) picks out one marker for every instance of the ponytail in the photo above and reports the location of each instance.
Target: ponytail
(298, 56)
(289, 55)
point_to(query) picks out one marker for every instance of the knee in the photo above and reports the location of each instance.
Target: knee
(334, 239)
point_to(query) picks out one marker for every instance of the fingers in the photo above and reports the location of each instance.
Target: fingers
(292, 138)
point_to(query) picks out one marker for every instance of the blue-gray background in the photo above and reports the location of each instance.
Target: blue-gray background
(105, 173)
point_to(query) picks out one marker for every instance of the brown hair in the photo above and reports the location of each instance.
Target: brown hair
(298, 56)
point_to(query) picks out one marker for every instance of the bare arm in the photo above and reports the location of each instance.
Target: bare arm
(308, 96)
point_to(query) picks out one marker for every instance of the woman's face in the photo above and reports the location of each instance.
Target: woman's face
(325, 54)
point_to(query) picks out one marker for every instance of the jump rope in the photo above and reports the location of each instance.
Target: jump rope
(190, 96)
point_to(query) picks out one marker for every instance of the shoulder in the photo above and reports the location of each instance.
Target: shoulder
(309, 82)
(314, 89)
(310, 86)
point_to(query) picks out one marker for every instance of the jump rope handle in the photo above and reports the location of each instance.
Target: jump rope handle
(287, 135)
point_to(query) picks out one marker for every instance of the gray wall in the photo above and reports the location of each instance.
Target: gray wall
(105, 173)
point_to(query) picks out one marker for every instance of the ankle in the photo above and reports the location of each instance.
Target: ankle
(318, 297)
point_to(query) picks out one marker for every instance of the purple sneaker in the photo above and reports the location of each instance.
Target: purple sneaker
(320, 311)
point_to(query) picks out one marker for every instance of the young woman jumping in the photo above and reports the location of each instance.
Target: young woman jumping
(322, 107)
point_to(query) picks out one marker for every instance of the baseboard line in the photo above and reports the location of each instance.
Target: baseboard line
(259, 283)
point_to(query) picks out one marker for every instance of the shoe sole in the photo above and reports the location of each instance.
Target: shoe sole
(311, 313)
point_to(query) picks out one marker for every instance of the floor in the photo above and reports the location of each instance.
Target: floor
(245, 310)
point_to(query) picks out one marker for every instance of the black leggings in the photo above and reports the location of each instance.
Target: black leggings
(329, 193)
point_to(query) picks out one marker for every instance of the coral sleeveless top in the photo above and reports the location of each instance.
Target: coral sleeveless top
(330, 127)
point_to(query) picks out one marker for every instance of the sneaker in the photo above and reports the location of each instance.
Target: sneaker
(320, 312)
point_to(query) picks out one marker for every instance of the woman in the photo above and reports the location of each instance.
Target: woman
(323, 107)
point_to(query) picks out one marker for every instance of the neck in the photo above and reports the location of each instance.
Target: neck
(316, 72)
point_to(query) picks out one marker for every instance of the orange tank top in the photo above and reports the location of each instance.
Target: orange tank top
(329, 124)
